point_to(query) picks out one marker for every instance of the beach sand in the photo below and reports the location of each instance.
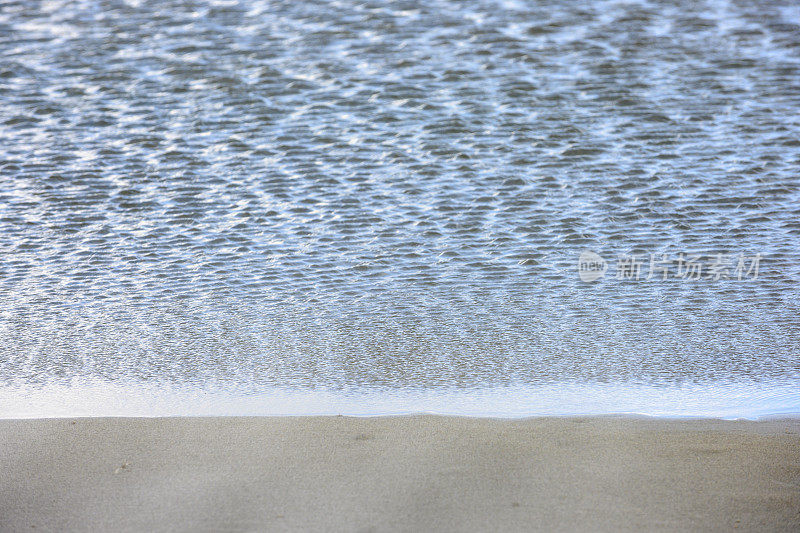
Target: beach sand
(415, 473)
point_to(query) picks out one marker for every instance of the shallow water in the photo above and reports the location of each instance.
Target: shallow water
(288, 204)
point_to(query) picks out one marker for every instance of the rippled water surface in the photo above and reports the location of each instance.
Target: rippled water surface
(372, 199)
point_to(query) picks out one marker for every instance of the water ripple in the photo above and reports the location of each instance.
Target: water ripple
(395, 194)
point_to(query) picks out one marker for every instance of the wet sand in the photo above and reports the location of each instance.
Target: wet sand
(414, 473)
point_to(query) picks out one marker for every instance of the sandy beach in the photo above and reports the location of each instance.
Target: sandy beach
(416, 473)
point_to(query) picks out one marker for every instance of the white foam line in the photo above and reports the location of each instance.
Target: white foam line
(94, 399)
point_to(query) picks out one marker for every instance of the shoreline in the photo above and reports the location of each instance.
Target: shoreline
(399, 473)
(95, 398)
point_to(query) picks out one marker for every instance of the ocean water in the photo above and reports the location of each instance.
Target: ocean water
(369, 207)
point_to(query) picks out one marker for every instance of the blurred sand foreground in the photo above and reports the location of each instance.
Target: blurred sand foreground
(416, 473)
